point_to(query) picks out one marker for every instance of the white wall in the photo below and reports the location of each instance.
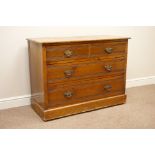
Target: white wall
(14, 69)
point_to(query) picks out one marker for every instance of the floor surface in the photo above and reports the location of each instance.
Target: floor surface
(138, 112)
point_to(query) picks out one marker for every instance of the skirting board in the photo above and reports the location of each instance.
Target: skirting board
(140, 81)
(14, 101)
(25, 100)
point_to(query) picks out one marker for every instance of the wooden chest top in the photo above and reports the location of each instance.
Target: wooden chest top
(75, 39)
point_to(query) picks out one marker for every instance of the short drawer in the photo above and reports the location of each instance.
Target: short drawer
(61, 95)
(108, 49)
(67, 52)
(61, 73)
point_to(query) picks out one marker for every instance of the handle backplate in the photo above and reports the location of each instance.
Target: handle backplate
(108, 68)
(68, 73)
(68, 94)
(108, 50)
(107, 87)
(68, 53)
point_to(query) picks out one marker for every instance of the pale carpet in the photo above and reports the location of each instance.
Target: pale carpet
(138, 112)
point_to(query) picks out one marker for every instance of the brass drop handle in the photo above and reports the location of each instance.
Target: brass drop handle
(108, 50)
(68, 73)
(107, 87)
(68, 94)
(68, 53)
(108, 68)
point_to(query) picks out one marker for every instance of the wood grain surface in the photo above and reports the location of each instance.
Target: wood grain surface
(73, 75)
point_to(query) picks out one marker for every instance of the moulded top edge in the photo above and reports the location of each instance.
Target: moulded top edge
(75, 39)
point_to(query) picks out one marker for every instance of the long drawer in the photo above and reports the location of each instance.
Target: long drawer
(71, 71)
(61, 95)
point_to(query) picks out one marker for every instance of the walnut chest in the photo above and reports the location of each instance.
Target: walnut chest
(76, 74)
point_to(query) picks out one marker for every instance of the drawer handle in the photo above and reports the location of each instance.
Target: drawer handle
(107, 87)
(68, 53)
(108, 68)
(108, 50)
(68, 73)
(68, 94)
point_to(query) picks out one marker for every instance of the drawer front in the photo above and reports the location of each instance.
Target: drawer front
(69, 72)
(85, 91)
(108, 49)
(67, 52)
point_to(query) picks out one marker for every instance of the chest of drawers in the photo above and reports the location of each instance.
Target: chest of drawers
(76, 74)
